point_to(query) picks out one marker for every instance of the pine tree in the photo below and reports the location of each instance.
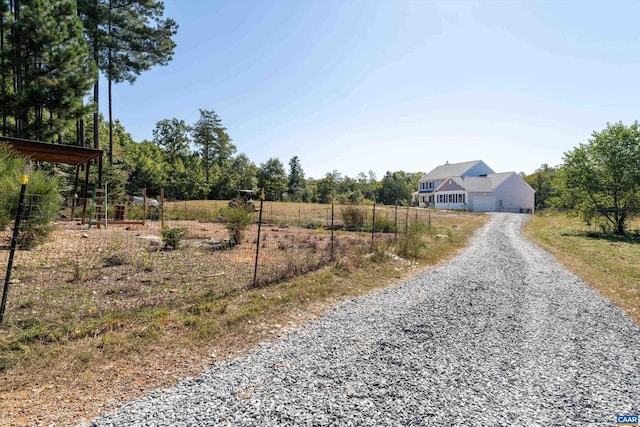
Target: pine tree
(47, 60)
(296, 179)
(127, 37)
(216, 147)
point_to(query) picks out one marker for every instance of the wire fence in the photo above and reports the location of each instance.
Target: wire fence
(72, 271)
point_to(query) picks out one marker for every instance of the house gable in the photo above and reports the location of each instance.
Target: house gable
(474, 168)
(450, 184)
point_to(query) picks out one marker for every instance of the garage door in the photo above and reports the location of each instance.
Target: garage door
(484, 204)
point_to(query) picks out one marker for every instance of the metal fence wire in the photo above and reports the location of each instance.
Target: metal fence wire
(69, 271)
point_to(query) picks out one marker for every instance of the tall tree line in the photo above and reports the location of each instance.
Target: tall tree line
(51, 53)
(45, 69)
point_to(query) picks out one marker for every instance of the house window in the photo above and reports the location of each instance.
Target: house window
(450, 198)
(430, 185)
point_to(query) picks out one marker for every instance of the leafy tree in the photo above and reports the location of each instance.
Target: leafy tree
(327, 187)
(542, 181)
(273, 178)
(144, 163)
(242, 175)
(173, 136)
(368, 185)
(602, 177)
(310, 191)
(296, 179)
(397, 187)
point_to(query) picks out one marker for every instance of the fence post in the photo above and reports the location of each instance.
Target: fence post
(406, 224)
(255, 267)
(14, 241)
(373, 223)
(333, 203)
(161, 208)
(396, 223)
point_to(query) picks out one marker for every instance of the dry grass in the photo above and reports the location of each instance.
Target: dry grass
(610, 264)
(98, 317)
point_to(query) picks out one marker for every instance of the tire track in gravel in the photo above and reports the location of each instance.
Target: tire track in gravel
(501, 335)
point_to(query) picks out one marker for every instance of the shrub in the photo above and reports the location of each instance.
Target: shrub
(384, 225)
(238, 219)
(172, 237)
(354, 217)
(413, 245)
(42, 200)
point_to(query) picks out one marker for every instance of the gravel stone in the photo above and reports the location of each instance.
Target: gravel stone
(501, 335)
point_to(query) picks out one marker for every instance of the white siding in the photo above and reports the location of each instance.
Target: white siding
(483, 203)
(516, 195)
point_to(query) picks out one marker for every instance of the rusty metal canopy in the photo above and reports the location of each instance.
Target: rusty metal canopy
(54, 153)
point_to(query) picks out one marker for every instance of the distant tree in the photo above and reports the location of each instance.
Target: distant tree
(397, 187)
(368, 185)
(310, 191)
(602, 177)
(296, 179)
(273, 178)
(144, 163)
(245, 176)
(216, 152)
(173, 136)
(542, 181)
(328, 186)
(203, 133)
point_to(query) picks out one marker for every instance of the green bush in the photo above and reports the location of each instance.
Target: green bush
(384, 224)
(172, 237)
(413, 245)
(354, 217)
(238, 220)
(42, 200)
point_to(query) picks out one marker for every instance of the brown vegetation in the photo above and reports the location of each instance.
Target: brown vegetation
(100, 316)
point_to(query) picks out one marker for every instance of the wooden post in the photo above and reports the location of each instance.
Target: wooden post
(144, 206)
(74, 195)
(162, 208)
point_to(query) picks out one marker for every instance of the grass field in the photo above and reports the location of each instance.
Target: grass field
(83, 336)
(609, 264)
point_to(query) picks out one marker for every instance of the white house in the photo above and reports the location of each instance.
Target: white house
(474, 186)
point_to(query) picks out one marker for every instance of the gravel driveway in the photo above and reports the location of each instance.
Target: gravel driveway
(501, 335)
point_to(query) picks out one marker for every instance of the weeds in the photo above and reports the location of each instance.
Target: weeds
(170, 300)
(114, 260)
(172, 237)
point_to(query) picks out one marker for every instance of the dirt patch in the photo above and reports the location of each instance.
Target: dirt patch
(98, 317)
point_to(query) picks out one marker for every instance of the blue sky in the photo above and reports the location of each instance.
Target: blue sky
(359, 85)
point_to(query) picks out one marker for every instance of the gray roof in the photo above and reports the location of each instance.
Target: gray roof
(481, 184)
(453, 169)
